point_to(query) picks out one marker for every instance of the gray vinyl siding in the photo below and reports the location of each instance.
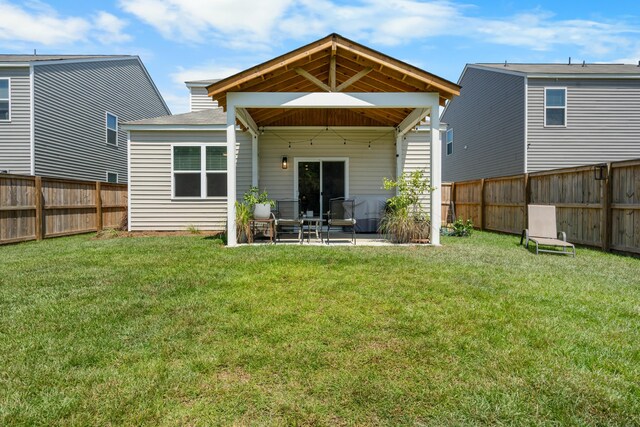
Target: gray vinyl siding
(488, 118)
(71, 101)
(199, 99)
(603, 123)
(15, 136)
(152, 207)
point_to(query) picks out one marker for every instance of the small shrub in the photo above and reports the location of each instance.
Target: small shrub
(404, 218)
(462, 228)
(253, 196)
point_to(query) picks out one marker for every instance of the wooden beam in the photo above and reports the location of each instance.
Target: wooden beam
(245, 118)
(412, 120)
(354, 79)
(279, 62)
(312, 79)
(606, 218)
(332, 67)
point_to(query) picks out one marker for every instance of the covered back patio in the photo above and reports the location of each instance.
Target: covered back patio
(332, 119)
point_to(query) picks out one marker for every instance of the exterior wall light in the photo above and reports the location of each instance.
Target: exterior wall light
(285, 163)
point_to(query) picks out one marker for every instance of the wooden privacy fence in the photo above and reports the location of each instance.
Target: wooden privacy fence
(34, 208)
(603, 213)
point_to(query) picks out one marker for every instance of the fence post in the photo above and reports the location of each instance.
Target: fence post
(482, 204)
(527, 200)
(98, 206)
(39, 210)
(605, 214)
(452, 202)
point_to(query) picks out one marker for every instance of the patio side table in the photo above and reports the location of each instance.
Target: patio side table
(268, 224)
(316, 223)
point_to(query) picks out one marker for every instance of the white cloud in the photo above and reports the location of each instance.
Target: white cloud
(37, 23)
(233, 21)
(110, 28)
(202, 72)
(259, 24)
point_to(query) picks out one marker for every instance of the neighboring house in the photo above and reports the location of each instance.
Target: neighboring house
(199, 98)
(521, 118)
(60, 115)
(330, 119)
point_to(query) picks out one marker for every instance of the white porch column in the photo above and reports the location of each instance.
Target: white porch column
(399, 168)
(231, 173)
(436, 174)
(254, 160)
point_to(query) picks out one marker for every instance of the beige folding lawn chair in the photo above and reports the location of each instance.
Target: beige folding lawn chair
(542, 231)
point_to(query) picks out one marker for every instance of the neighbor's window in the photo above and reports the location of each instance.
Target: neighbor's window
(555, 107)
(112, 177)
(449, 140)
(5, 98)
(199, 171)
(112, 129)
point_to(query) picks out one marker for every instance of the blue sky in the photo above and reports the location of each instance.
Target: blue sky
(196, 39)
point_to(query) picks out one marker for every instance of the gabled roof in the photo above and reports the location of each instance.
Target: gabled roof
(332, 64)
(201, 83)
(581, 69)
(9, 58)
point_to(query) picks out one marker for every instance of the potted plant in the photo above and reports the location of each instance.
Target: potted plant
(259, 203)
(243, 226)
(404, 220)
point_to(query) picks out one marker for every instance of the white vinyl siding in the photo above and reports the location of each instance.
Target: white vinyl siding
(555, 106)
(199, 99)
(15, 135)
(152, 205)
(5, 99)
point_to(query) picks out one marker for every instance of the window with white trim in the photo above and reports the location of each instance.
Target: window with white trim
(5, 100)
(555, 106)
(449, 141)
(199, 171)
(112, 177)
(112, 129)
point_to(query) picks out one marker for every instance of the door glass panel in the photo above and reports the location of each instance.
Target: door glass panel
(332, 182)
(309, 186)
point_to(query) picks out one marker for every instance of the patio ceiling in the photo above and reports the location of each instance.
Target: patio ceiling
(332, 64)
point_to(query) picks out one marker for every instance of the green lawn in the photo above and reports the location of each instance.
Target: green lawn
(179, 330)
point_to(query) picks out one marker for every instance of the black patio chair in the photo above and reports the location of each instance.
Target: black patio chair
(288, 215)
(341, 214)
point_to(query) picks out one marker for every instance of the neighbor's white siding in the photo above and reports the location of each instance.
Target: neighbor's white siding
(199, 99)
(151, 205)
(15, 136)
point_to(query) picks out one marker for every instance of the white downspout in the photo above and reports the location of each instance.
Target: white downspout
(231, 172)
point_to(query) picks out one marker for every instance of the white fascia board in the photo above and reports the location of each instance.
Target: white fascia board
(332, 99)
(15, 65)
(173, 127)
(191, 84)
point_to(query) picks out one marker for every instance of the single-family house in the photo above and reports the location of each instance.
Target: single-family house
(60, 115)
(329, 119)
(522, 118)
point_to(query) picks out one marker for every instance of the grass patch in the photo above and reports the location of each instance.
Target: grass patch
(180, 330)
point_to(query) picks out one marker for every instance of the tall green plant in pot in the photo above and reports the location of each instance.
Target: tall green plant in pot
(404, 219)
(243, 223)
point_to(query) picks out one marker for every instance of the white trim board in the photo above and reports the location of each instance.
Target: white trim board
(332, 100)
